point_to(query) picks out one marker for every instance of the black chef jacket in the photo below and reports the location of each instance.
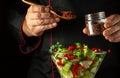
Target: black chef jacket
(67, 32)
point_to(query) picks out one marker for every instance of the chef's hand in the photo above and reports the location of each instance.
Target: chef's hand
(112, 28)
(38, 19)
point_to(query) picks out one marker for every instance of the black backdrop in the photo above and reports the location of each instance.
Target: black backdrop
(12, 63)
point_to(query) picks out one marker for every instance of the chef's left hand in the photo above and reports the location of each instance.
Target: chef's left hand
(112, 28)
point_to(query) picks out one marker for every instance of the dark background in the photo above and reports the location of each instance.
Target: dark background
(13, 64)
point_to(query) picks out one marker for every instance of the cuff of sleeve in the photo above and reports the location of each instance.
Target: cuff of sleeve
(29, 44)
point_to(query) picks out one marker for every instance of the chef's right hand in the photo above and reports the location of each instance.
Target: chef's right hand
(38, 19)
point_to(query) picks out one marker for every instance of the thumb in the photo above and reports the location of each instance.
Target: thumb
(85, 31)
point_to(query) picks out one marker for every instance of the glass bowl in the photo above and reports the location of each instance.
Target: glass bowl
(76, 61)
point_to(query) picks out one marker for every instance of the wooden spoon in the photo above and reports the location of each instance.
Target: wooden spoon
(67, 15)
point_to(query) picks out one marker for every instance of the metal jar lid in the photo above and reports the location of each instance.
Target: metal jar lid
(95, 16)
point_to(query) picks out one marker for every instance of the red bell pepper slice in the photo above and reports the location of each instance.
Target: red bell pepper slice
(59, 62)
(97, 49)
(75, 68)
(71, 47)
(69, 56)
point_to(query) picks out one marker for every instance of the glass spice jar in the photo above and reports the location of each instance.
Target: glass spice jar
(95, 23)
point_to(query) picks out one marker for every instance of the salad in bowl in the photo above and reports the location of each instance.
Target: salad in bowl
(77, 60)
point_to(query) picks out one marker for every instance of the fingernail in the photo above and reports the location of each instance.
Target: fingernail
(84, 31)
(57, 19)
(54, 24)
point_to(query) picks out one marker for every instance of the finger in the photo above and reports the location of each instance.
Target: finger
(53, 20)
(49, 21)
(45, 15)
(46, 21)
(49, 26)
(114, 37)
(37, 15)
(37, 22)
(40, 28)
(36, 31)
(35, 8)
(111, 30)
(38, 8)
(86, 31)
(34, 22)
(112, 20)
(33, 16)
